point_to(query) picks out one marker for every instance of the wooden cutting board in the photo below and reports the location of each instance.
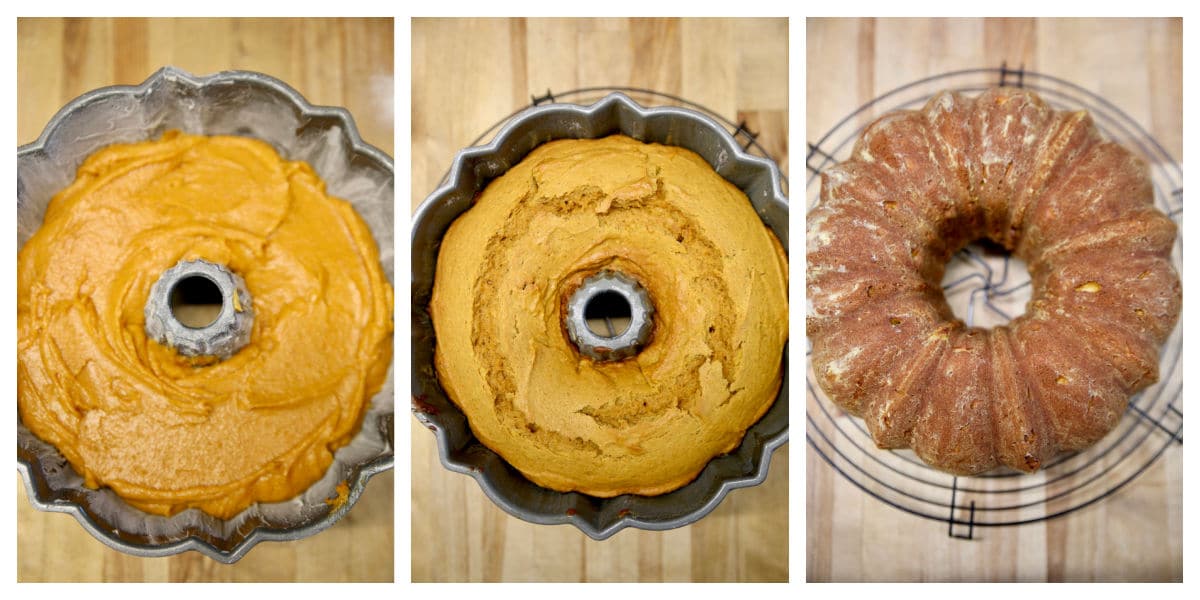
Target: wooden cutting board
(467, 75)
(1135, 534)
(331, 62)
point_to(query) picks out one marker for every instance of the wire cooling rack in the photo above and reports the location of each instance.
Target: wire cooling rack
(987, 287)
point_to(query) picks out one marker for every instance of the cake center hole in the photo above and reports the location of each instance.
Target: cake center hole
(607, 314)
(985, 285)
(196, 301)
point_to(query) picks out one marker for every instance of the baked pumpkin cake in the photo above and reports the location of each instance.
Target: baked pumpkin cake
(1078, 209)
(654, 217)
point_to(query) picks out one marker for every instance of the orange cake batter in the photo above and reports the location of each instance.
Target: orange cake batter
(164, 431)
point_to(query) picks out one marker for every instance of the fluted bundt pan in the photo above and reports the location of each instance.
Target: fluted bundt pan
(227, 103)
(459, 450)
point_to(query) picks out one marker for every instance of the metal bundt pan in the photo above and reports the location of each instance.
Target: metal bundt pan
(460, 451)
(234, 103)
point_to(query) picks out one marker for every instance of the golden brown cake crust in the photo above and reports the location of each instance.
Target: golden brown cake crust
(716, 276)
(1078, 210)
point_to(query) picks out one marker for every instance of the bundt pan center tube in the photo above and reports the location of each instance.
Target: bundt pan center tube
(632, 305)
(226, 333)
(1078, 209)
(197, 171)
(642, 306)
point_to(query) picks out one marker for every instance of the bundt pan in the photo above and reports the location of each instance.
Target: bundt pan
(234, 103)
(458, 448)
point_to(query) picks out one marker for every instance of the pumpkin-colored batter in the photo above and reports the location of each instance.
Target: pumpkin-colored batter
(165, 432)
(717, 278)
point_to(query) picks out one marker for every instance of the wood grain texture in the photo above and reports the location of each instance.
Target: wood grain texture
(1135, 534)
(467, 75)
(329, 61)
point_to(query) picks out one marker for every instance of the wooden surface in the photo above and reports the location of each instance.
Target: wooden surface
(1134, 535)
(332, 62)
(467, 75)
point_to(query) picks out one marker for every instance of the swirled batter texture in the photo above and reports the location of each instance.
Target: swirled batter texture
(165, 432)
(717, 278)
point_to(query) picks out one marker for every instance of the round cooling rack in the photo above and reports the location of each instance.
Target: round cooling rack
(987, 287)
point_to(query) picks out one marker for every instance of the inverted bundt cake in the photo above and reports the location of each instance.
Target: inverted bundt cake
(920, 185)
